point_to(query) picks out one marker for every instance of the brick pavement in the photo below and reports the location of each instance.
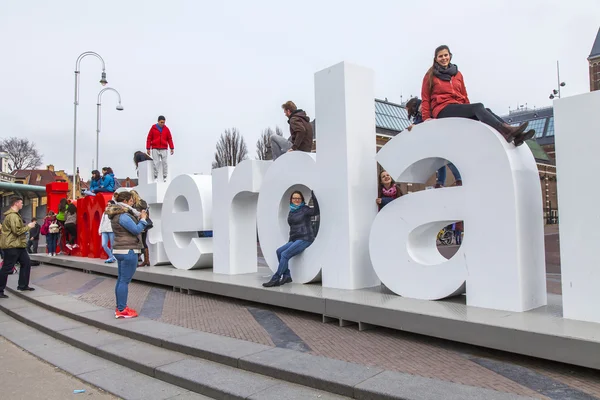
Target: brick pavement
(393, 350)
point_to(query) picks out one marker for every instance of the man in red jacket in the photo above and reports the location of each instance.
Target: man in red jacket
(159, 141)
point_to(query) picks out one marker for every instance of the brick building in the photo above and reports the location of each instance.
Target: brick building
(594, 60)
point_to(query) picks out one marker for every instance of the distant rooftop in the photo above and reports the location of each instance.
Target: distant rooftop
(390, 116)
(596, 47)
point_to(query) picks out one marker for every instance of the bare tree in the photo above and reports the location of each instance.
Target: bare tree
(22, 153)
(231, 149)
(263, 144)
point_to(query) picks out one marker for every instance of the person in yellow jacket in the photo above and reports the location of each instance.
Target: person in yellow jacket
(14, 243)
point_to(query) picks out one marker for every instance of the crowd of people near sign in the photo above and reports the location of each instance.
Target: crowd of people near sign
(125, 222)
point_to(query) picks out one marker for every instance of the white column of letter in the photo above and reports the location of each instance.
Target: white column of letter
(234, 216)
(154, 193)
(577, 122)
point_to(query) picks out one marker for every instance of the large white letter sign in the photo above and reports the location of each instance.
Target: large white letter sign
(234, 216)
(502, 256)
(187, 209)
(343, 179)
(577, 137)
(154, 193)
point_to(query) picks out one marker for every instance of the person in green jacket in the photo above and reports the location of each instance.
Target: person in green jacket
(14, 243)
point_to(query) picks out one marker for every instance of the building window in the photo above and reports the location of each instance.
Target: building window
(39, 178)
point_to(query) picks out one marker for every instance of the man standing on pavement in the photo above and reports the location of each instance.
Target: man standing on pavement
(34, 237)
(159, 141)
(301, 132)
(13, 242)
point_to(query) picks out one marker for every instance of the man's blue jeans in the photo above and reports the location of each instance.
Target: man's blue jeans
(127, 265)
(441, 174)
(108, 237)
(285, 253)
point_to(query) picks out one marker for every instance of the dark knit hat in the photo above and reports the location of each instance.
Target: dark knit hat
(161, 118)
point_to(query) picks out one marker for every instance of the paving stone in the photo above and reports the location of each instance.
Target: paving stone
(72, 360)
(214, 380)
(38, 292)
(395, 385)
(56, 323)
(5, 317)
(212, 347)
(67, 305)
(189, 396)
(27, 337)
(153, 331)
(139, 356)
(293, 392)
(131, 385)
(32, 313)
(313, 371)
(13, 302)
(90, 336)
(105, 319)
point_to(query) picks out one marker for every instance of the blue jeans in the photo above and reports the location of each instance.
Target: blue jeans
(127, 264)
(51, 242)
(285, 253)
(106, 237)
(441, 174)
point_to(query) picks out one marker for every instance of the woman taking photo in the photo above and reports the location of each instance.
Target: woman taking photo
(444, 95)
(388, 190)
(301, 236)
(126, 228)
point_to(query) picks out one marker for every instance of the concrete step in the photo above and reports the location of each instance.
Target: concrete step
(177, 355)
(186, 372)
(113, 378)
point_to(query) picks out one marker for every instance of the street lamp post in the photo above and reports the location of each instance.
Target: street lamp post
(76, 103)
(556, 92)
(98, 114)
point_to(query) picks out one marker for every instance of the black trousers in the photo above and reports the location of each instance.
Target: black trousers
(32, 246)
(11, 256)
(71, 233)
(475, 111)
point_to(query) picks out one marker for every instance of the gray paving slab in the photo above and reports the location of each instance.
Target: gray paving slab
(89, 337)
(13, 302)
(214, 380)
(27, 337)
(55, 323)
(32, 312)
(5, 317)
(139, 356)
(153, 331)
(131, 385)
(65, 305)
(394, 385)
(313, 371)
(293, 392)
(189, 396)
(212, 347)
(72, 360)
(104, 319)
(38, 292)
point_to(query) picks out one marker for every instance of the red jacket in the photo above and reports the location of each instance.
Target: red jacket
(159, 140)
(442, 93)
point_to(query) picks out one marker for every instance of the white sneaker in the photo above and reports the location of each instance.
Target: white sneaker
(75, 246)
(68, 246)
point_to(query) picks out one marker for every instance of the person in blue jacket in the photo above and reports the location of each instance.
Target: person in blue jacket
(107, 183)
(413, 107)
(94, 183)
(301, 236)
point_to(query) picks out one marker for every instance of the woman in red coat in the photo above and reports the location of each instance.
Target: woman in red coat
(444, 95)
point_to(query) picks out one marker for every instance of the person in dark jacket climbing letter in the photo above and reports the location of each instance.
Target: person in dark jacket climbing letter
(301, 236)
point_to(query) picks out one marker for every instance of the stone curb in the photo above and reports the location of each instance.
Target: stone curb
(334, 376)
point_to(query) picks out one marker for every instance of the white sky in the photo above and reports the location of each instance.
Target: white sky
(209, 65)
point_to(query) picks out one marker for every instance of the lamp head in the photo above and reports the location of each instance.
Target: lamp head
(119, 107)
(563, 84)
(551, 96)
(103, 81)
